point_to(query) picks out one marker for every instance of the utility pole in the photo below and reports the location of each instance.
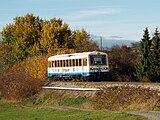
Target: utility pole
(100, 42)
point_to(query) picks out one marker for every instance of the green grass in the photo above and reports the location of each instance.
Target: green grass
(58, 100)
(75, 101)
(13, 112)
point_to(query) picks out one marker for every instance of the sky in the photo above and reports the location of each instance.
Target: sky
(112, 19)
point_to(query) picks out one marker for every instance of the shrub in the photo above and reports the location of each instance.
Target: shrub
(126, 98)
(18, 86)
(121, 62)
(34, 66)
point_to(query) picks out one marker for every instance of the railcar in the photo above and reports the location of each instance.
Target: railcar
(86, 66)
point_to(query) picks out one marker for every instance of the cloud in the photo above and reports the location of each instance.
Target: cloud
(23, 9)
(89, 23)
(115, 37)
(95, 12)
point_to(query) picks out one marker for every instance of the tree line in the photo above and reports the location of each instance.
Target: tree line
(29, 40)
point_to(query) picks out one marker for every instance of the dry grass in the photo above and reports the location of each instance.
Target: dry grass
(125, 98)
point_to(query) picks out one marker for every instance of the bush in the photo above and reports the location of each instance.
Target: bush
(18, 86)
(121, 62)
(34, 66)
(126, 98)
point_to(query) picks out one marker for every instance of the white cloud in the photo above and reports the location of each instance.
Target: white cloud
(95, 12)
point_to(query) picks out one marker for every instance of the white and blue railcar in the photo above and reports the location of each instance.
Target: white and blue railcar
(87, 65)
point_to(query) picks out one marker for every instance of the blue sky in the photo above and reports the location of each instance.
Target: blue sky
(112, 19)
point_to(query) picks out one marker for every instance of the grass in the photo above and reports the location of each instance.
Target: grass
(58, 99)
(24, 113)
(75, 101)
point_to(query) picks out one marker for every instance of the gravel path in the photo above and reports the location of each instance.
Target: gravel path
(151, 115)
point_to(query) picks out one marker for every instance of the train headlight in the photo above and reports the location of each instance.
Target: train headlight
(91, 68)
(105, 68)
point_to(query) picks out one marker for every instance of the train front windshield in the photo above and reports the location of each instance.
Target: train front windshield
(98, 60)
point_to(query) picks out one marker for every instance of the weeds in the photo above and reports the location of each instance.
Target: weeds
(125, 98)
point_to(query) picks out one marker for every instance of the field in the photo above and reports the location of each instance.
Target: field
(18, 112)
(51, 104)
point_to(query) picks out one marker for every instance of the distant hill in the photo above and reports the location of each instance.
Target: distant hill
(111, 42)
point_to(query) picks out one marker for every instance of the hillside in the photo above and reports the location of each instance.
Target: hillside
(109, 42)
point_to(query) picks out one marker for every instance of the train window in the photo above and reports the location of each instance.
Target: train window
(55, 63)
(66, 63)
(73, 62)
(84, 62)
(76, 62)
(98, 60)
(80, 62)
(58, 63)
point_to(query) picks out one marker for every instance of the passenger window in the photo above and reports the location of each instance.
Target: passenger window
(66, 63)
(76, 62)
(58, 63)
(73, 62)
(80, 62)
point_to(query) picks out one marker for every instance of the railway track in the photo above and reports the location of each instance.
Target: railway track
(102, 85)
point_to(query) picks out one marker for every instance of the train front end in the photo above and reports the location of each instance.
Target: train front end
(98, 66)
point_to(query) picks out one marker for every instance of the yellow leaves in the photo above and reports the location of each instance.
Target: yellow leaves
(37, 66)
(34, 66)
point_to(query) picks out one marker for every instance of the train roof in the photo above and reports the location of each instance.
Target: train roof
(75, 55)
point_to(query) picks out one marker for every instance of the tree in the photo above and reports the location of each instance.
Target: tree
(121, 63)
(21, 38)
(155, 54)
(143, 64)
(55, 35)
(83, 42)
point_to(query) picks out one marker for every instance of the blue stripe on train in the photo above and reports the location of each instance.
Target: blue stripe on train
(71, 73)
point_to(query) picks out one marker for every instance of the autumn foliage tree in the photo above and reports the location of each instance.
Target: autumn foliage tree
(55, 35)
(21, 38)
(31, 36)
(82, 41)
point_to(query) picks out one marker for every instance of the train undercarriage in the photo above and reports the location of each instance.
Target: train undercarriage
(93, 77)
